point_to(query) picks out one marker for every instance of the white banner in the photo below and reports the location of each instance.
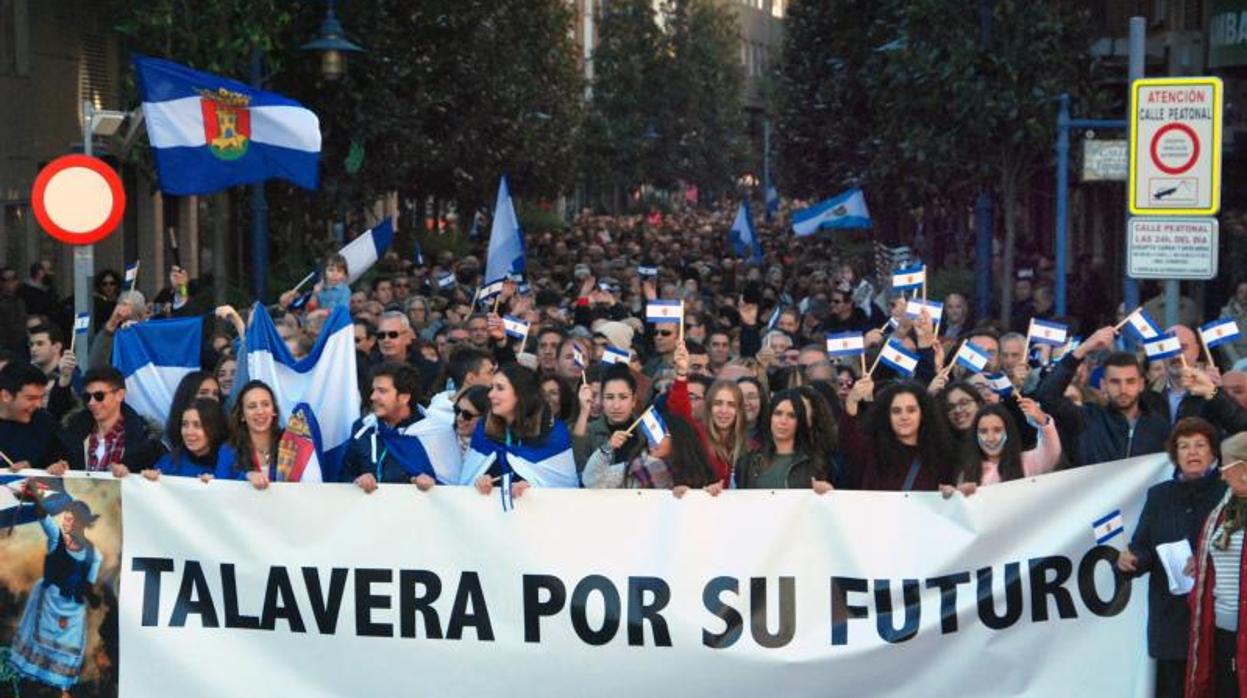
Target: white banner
(325, 591)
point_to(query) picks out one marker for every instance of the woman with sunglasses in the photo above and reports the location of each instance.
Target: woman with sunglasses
(606, 434)
(199, 445)
(517, 442)
(107, 290)
(1218, 621)
(1174, 511)
(256, 435)
(471, 404)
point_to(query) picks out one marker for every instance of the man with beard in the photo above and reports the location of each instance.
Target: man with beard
(386, 446)
(1124, 427)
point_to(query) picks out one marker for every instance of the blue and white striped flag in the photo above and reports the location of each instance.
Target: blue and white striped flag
(615, 355)
(429, 446)
(446, 281)
(1000, 383)
(973, 357)
(82, 322)
(900, 359)
(515, 327)
(1142, 326)
(364, 251)
(1047, 332)
(915, 306)
(132, 274)
(843, 211)
(647, 271)
(325, 379)
(578, 357)
(664, 312)
(653, 426)
(1165, 346)
(1108, 527)
(774, 319)
(1219, 332)
(909, 278)
(845, 344)
(155, 356)
(547, 464)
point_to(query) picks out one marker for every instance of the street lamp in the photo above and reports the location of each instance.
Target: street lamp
(331, 45)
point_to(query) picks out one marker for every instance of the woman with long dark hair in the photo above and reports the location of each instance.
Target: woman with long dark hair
(788, 457)
(677, 463)
(961, 402)
(199, 447)
(470, 406)
(904, 444)
(518, 443)
(194, 385)
(608, 433)
(256, 434)
(996, 455)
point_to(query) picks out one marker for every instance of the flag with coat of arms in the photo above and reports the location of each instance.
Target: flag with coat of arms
(210, 133)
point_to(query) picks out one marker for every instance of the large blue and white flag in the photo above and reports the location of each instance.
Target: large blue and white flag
(506, 240)
(743, 237)
(772, 203)
(548, 464)
(844, 211)
(155, 356)
(210, 133)
(364, 251)
(430, 447)
(325, 379)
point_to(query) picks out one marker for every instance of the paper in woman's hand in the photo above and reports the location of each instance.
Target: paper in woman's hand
(1173, 557)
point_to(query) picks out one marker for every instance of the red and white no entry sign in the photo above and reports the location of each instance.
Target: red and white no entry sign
(1175, 148)
(78, 199)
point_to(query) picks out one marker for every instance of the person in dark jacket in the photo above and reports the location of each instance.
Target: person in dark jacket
(381, 450)
(903, 443)
(788, 457)
(1174, 510)
(28, 433)
(109, 434)
(1127, 426)
(12, 313)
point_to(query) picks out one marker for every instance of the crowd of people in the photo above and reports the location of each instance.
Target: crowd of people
(744, 389)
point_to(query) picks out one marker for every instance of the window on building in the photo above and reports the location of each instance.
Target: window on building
(778, 8)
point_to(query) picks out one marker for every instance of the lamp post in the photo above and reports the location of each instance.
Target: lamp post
(105, 123)
(332, 46)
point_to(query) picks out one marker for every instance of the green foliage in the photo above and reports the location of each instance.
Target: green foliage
(667, 94)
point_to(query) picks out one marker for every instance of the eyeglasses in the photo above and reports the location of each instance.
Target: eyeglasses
(389, 335)
(960, 405)
(465, 415)
(96, 395)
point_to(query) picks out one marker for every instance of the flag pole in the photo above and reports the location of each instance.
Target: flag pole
(875, 365)
(862, 356)
(628, 431)
(681, 322)
(5, 456)
(1204, 342)
(1118, 326)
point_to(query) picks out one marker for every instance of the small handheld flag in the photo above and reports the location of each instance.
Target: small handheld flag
(647, 271)
(895, 355)
(515, 327)
(446, 281)
(1141, 325)
(578, 357)
(914, 307)
(653, 426)
(845, 344)
(1220, 331)
(1165, 346)
(774, 319)
(909, 278)
(1108, 527)
(82, 322)
(999, 383)
(615, 355)
(1046, 332)
(132, 274)
(973, 357)
(489, 291)
(660, 312)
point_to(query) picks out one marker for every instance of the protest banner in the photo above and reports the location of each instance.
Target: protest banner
(311, 591)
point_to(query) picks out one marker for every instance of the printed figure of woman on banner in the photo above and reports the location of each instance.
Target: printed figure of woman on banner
(51, 639)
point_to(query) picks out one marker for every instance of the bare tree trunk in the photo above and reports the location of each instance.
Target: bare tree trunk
(1008, 191)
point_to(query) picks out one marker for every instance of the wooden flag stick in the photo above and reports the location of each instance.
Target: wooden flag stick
(681, 322)
(5, 456)
(862, 356)
(1202, 342)
(628, 431)
(1118, 326)
(306, 279)
(1182, 355)
(497, 300)
(875, 365)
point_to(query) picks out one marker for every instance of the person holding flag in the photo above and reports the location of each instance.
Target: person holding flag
(518, 444)
(608, 433)
(1130, 424)
(1000, 455)
(901, 445)
(386, 447)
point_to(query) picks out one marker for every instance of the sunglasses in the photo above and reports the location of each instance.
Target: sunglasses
(465, 415)
(389, 335)
(96, 395)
